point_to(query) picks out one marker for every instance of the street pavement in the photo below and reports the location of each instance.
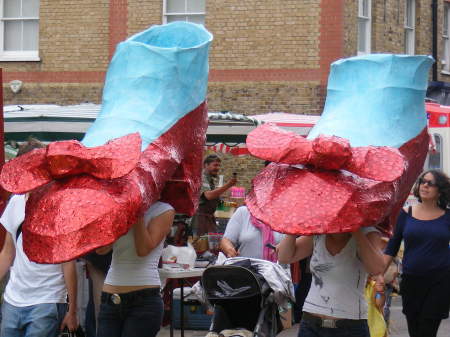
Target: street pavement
(398, 326)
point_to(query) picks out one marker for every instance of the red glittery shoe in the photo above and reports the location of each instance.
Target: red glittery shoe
(98, 198)
(326, 186)
(154, 101)
(360, 160)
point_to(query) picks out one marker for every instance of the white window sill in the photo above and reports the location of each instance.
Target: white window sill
(19, 57)
(445, 72)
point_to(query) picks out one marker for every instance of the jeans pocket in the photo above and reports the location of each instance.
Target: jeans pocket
(109, 311)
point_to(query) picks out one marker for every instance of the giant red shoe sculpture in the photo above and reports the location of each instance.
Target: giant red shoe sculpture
(358, 164)
(146, 145)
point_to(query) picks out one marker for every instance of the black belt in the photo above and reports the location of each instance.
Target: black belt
(125, 298)
(331, 322)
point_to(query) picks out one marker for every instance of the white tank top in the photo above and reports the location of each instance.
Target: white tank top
(338, 282)
(29, 283)
(129, 269)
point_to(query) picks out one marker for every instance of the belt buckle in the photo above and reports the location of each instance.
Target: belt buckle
(329, 323)
(115, 298)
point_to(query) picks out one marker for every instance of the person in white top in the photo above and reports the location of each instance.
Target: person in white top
(340, 263)
(131, 303)
(247, 237)
(35, 298)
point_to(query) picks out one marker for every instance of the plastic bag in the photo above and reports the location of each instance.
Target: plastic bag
(184, 256)
(375, 319)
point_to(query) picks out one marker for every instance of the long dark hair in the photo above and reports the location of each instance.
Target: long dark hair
(442, 183)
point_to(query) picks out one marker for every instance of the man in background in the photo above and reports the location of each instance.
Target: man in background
(204, 221)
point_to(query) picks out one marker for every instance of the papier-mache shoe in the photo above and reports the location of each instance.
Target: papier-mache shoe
(359, 162)
(145, 145)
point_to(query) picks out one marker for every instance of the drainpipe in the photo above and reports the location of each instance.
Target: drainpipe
(434, 22)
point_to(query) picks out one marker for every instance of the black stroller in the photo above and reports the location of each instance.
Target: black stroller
(242, 299)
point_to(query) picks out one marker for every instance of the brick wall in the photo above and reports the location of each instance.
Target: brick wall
(350, 28)
(388, 26)
(264, 34)
(424, 43)
(252, 98)
(142, 14)
(55, 93)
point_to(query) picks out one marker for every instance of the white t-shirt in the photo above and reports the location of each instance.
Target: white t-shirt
(129, 269)
(338, 282)
(245, 237)
(29, 283)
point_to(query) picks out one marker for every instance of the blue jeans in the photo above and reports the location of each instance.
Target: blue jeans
(40, 320)
(387, 305)
(310, 330)
(138, 314)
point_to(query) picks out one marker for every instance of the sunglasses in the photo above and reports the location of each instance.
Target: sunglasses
(427, 182)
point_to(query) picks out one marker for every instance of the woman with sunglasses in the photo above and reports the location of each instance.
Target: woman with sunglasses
(425, 229)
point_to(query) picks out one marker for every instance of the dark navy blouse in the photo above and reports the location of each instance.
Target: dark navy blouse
(426, 243)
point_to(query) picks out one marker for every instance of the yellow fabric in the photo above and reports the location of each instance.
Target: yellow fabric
(375, 319)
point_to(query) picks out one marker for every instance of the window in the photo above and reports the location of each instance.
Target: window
(445, 39)
(19, 30)
(410, 23)
(184, 10)
(364, 29)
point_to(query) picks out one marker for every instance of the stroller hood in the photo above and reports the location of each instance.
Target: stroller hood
(274, 274)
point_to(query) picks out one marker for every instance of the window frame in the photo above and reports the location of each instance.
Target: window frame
(445, 60)
(16, 55)
(410, 31)
(186, 13)
(368, 23)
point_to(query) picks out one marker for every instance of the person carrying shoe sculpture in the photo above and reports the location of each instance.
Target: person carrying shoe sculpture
(139, 161)
(345, 183)
(131, 304)
(145, 146)
(204, 221)
(35, 298)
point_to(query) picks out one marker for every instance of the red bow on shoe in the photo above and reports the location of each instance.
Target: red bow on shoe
(327, 152)
(338, 189)
(70, 158)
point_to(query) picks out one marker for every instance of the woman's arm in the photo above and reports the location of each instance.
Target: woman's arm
(147, 238)
(369, 251)
(387, 260)
(70, 278)
(396, 240)
(292, 249)
(7, 255)
(227, 247)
